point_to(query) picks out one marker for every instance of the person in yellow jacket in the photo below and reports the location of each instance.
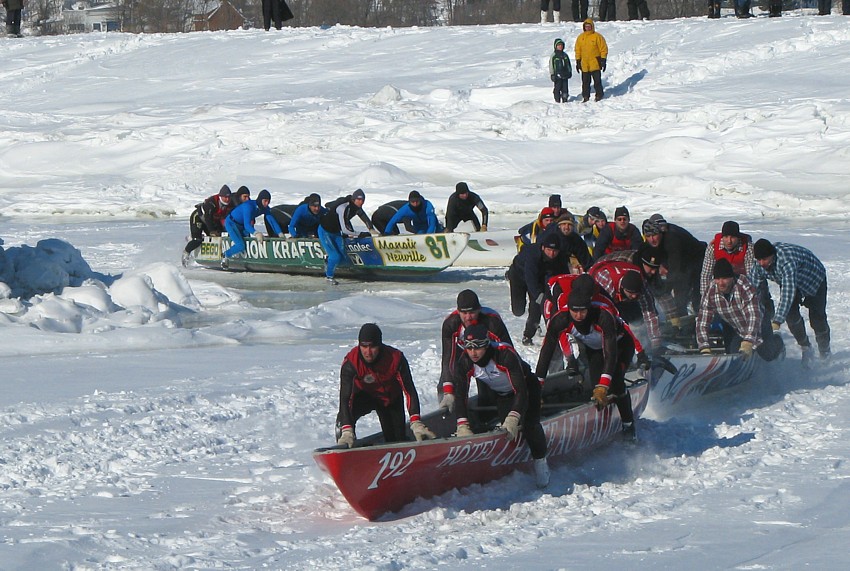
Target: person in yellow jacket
(591, 56)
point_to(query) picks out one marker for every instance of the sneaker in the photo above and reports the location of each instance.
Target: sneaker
(541, 472)
(331, 281)
(225, 263)
(184, 259)
(527, 340)
(808, 357)
(629, 433)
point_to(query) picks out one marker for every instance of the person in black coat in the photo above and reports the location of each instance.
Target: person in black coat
(684, 260)
(461, 208)
(528, 277)
(385, 212)
(277, 11)
(571, 243)
(13, 16)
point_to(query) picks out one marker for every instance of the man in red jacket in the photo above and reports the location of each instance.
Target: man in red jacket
(376, 377)
(618, 235)
(208, 218)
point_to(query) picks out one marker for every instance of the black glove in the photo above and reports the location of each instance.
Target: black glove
(552, 77)
(578, 65)
(602, 62)
(364, 235)
(643, 361)
(572, 366)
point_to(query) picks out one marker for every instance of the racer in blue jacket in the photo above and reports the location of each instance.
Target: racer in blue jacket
(305, 219)
(240, 223)
(419, 212)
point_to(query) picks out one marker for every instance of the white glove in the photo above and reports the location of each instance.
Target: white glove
(347, 437)
(463, 431)
(259, 237)
(421, 432)
(448, 402)
(511, 424)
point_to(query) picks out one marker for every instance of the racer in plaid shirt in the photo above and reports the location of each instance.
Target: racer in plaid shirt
(802, 281)
(733, 299)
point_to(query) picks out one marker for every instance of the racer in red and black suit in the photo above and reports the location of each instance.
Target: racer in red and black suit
(561, 287)
(376, 377)
(208, 218)
(651, 261)
(469, 312)
(516, 388)
(625, 285)
(608, 348)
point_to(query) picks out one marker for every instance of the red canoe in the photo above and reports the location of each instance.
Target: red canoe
(378, 478)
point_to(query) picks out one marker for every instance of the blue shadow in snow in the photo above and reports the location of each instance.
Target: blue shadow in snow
(626, 86)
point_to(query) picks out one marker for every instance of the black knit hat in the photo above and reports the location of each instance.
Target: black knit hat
(621, 211)
(555, 201)
(730, 228)
(461, 188)
(243, 191)
(264, 195)
(370, 333)
(596, 212)
(225, 191)
(467, 300)
(551, 241)
(632, 281)
(358, 194)
(578, 299)
(763, 249)
(652, 256)
(414, 195)
(723, 269)
(584, 283)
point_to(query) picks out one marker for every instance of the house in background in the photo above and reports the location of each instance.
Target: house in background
(223, 17)
(84, 17)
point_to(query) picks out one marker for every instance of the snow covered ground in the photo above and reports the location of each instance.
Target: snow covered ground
(153, 417)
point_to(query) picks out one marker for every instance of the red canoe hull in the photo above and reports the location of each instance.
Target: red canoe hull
(380, 479)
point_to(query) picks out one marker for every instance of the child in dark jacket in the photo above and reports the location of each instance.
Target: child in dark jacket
(560, 71)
